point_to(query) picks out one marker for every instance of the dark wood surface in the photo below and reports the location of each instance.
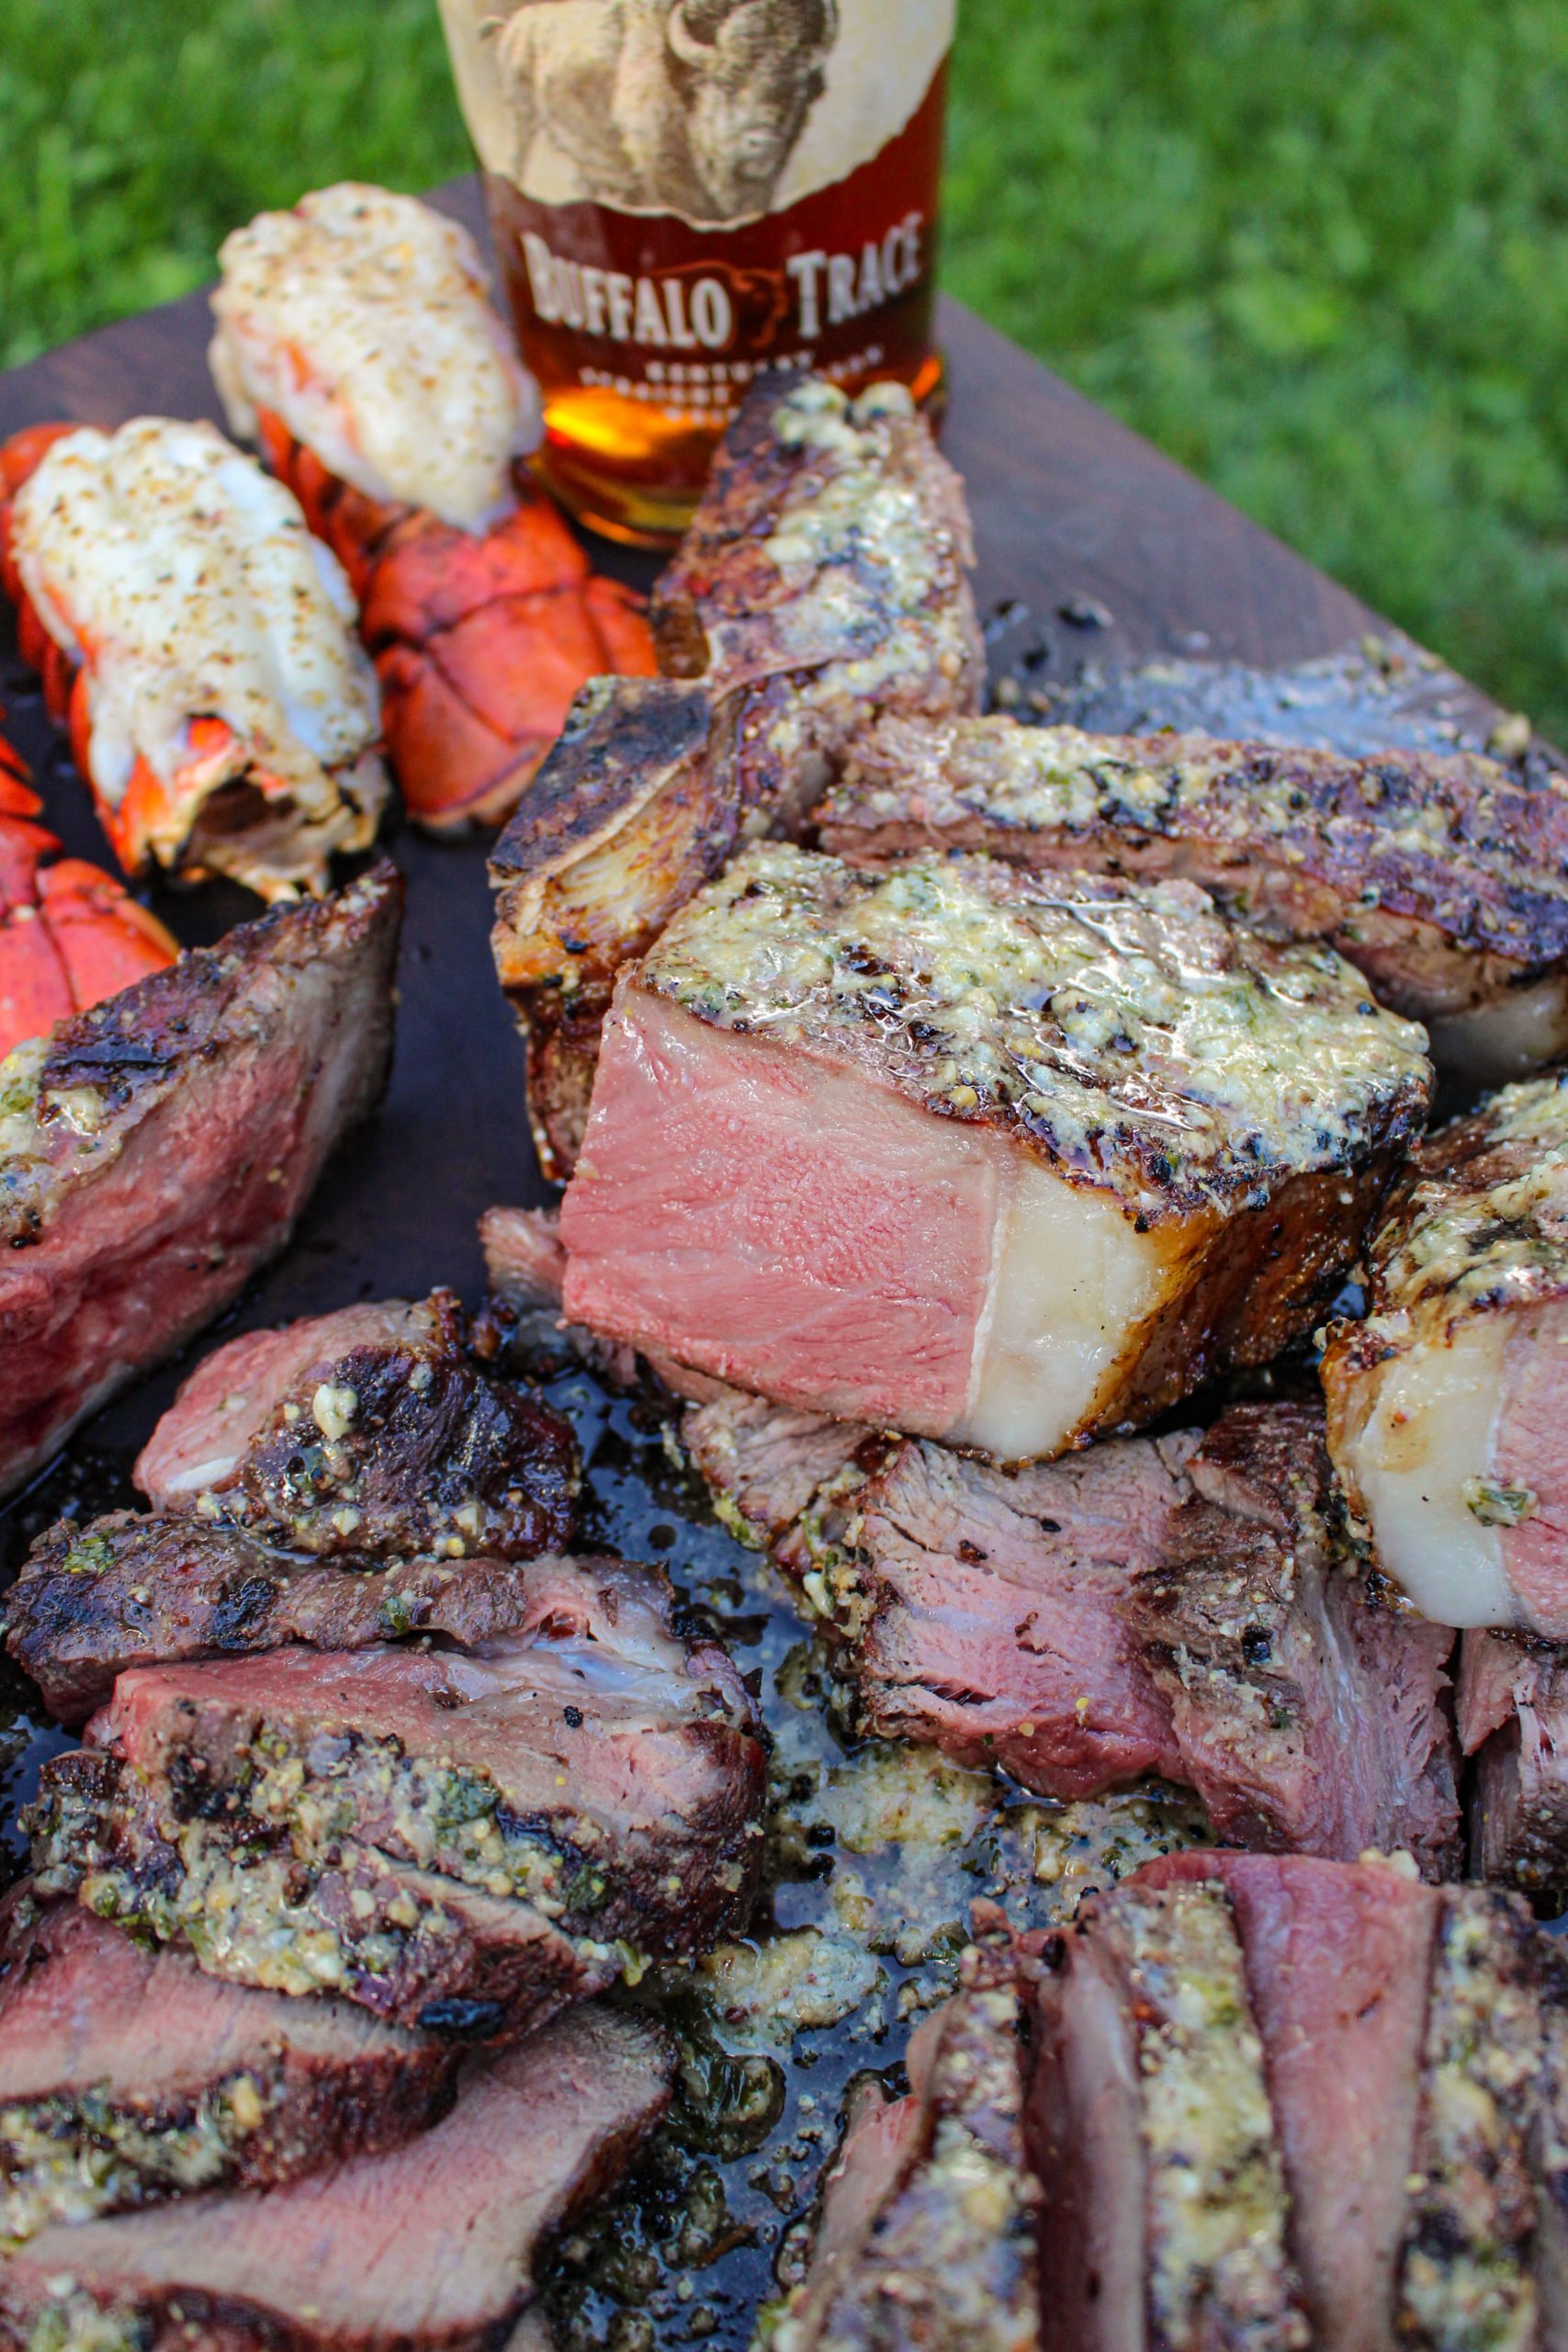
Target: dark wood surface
(1068, 504)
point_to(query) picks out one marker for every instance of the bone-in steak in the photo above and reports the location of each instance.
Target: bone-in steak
(427, 2249)
(1008, 1162)
(372, 1432)
(127, 2076)
(1444, 879)
(156, 1150)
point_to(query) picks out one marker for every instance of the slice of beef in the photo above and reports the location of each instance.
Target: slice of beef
(1447, 1407)
(370, 1431)
(155, 1590)
(1307, 1702)
(821, 584)
(975, 1155)
(927, 2234)
(421, 1828)
(427, 2249)
(1513, 1719)
(1338, 1960)
(1163, 2210)
(155, 1151)
(127, 2076)
(1444, 879)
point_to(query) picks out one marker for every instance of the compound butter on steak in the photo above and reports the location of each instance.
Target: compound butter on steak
(1005, 1160)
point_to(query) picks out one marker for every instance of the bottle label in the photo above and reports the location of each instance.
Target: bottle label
(687, 191)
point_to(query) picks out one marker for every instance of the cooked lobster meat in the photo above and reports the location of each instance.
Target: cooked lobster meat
(1219, 2034)
(70, 934)
(370, 1431)
(822, 582)
(1002, 1160)
(429, 2247)
(1444, 879)
(128, 2076)
(357, 344)
(446, 1835)
(1512, 1705)
(200, 645)
(1445, 1405)
(927, 2227)
(1173, 1605)
(155, 1150)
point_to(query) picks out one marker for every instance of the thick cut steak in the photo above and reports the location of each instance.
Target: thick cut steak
(822, 584)
(461, 1839)
(427, 2249)
(1447, 1407)
(371, 1431)
(1444, 879)
(1004, 1161)
(127, 2076)
(156, 1150)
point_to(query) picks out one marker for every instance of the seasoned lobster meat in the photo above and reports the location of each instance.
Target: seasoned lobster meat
(357, 342)
(1447, 1407)
(1444, 879)
(1170, 1605)
(201, 643)
(370, 1430)
(156, 1150)
(822, 582)
(1512, 1705)
(985, 1157)
(444, 1833)
(927, 2235)
(429, 2247)
(128, 2076)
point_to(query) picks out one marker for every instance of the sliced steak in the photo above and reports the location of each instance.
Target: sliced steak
(1165, 2211)
(1444, 879)
(1447, 1407)
(822, 584)
(902, 1149)
(1307, 1704)
(1513, 1719)
(427, 2249)
(370, 1431)
(156, 1150)
(927, 2235)
(447, 1835)
(127, 2076)
(156, 1590)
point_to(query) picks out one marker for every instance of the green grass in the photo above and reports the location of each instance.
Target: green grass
(1317, 249)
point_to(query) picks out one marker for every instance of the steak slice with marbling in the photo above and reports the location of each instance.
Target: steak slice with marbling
(447, 1835)
(156, 1150)
(429, 2247)
(128, 2076)
(371, 1431)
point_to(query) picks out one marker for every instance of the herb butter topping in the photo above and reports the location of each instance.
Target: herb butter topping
(1128, 1035)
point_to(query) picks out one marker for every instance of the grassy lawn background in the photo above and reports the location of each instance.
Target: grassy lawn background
(1317, 249)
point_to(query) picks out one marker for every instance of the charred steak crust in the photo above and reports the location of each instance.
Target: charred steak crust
(1444, 879)
(235, 2088)
(157, 1149)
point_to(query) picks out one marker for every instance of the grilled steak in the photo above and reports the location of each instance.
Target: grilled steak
(1165, 2213)
(371, 1431)
(822, 584)
(156, 1150)
(1447, 1405)
(927, 2234)
(1150, 1605)
(127, 2076)
(431, 2246)
(452, 1837)
(1513, 1718)
(1445, 880)
(156, 1590)
(904, 1149)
